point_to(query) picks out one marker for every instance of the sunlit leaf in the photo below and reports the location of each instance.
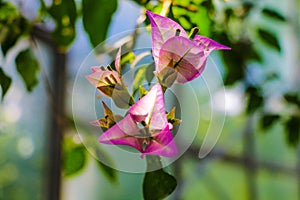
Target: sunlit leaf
(188, 16)
(127, 58)
(28, 68)
(14, 30)
(74, 160)
(142, 73)
(292, 128)
(5, 82)
(64, 13)
(96, 16)
(139, 77)
(273, 14)
(269, 38)
(171, 117)
(268, 120)
(157, 184)
(142, 91)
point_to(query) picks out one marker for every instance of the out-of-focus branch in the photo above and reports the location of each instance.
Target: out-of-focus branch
(56, 100)
(223, 156)
(294, 55)
(249, 152)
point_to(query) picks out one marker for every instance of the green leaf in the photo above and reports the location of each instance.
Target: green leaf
(96, 16)
(235, 65)
(255, 100)
(292, 128)
(268, 120)
(247, 7)
(64, 13)
(28, 68)
(143, 73)
(141, 2)
(12, 31)
(5, 82)
(149, 72)
(273, 14)
(292, 98)
(269, 38)
(157, 184)
(108, 171)
(127, 58)
(139, 77)
(74, 160)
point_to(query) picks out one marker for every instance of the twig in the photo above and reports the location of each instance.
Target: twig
(166, 7)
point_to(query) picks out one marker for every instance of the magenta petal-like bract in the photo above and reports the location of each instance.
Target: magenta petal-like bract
(162, 29)
(152, 106)
(172, 48)
(123, 133)
(97, 78)
(182, 54)
(209, 44)
(163, 144)
(154, 137)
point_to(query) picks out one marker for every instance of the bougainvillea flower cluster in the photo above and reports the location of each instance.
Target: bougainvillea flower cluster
(146, 127)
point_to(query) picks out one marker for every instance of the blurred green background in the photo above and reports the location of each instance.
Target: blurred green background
(257, 156)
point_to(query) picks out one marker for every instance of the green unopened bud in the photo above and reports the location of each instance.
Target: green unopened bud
(171, 117)
(177, 32)
(109, 119)
(193, 32)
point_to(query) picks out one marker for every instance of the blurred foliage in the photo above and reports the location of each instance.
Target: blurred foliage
(269, 38)
(12, 26)
(74, 157)
(5, 82)
(20, 174)
(96, 17)
(28, 68)
(64, 14)
(228, 23)
(157, 183)
(293, 130)
(143, 73)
